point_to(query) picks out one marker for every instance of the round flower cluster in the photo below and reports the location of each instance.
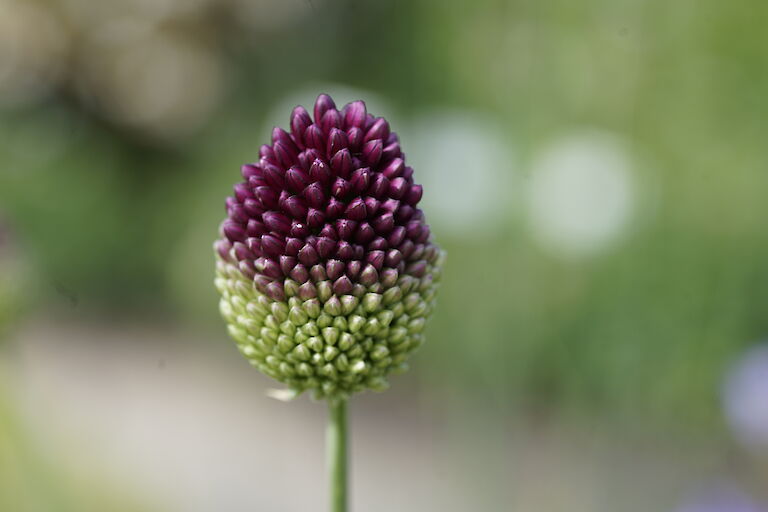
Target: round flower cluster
(325, 265)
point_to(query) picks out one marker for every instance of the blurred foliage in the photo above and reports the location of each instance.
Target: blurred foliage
(119, 212)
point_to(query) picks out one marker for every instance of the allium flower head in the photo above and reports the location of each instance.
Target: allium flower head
(325, 265)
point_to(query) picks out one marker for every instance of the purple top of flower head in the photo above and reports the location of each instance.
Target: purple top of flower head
(745, 396)
(331, 199)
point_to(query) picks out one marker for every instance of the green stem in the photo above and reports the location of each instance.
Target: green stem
(337, 453)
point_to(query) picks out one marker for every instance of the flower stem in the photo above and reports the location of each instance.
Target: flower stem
(337, 453)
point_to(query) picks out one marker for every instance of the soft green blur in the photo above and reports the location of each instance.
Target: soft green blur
(123, 126)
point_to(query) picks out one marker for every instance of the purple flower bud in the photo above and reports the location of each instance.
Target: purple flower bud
(308, 255)
(271, 269)
(331, 119)
(295, 207)
(376, 258)
(377, 244)
(356, 210)
(222, 248)
(394, 169)
(342, 286)
(384, 223)
(318, 273)
(353, 268)
(355, 137)
(417, 269)
(329, 231)
(341, 163)
(274, 176)
(379, 130)
(396, 237)
(345, 228)
(254, 245)
(242, 252)
(299, 273)
(253, 207)
(369, 275)
(315, 195)
(255, 228)
(315, 218)
(372, 205)
(397, 187)
(267, 196)
(360, 180)
(272, 245)
(286, 157)
(391, 151)
(406, 248)
(267, 153)
(276, 221)
(372, 151)
(307, 291)
(325, 247)
(393, 258)
(250, 170)
(296, 180)
(242, 192)
(287, 263)
(337, 141)
(341, 188)
(233, 231)
(313, 138)
(300, 121)
(404, 213)
(413, 229)
(292, 246)
(365, 233)
(413, 196)
(344, 250)
(379, 187)
(299, 229)
(281, 136)
(334, 269)
(275, 291)
(322, 105)
(246, 267)
(334, 208)
(237, 213)
(354, 114)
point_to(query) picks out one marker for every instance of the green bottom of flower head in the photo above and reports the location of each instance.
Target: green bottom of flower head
(332, 346)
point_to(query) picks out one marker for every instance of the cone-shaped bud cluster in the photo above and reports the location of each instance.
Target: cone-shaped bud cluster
(325, 264)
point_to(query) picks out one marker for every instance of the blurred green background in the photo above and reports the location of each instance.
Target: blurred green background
(596, 171)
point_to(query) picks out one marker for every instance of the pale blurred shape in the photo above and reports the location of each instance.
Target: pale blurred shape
(87, 13)
(745, 396)
(581, 194)
(464, 162)
(720, 498)
(33, 46)
(162, 84)
(272, 15)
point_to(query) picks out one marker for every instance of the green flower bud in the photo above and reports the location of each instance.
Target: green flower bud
(371, 302)
(331, 335)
